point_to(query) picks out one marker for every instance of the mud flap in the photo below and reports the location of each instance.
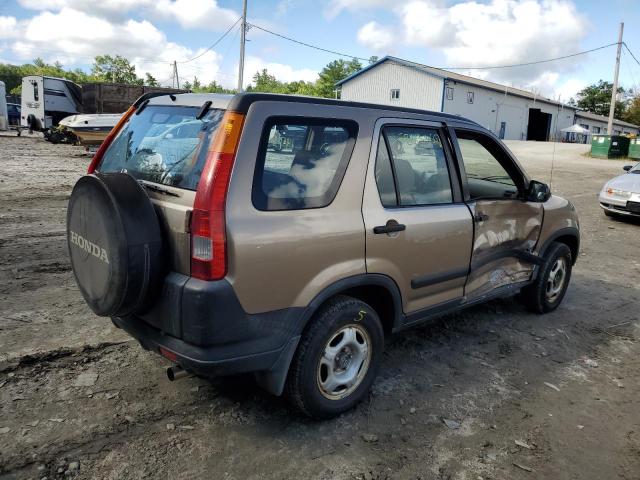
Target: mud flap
(273, 380)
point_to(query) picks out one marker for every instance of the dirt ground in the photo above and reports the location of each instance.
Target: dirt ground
(523, 396)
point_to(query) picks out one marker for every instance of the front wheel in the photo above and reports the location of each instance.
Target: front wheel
(337, 359)
(546, 293)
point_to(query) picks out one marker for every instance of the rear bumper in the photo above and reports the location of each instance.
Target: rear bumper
(205, 361)
(203, 325)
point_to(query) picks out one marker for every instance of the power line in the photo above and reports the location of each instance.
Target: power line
(524, 64)
(214, 43)
(626, 65)
(334, 52)
(630, 52)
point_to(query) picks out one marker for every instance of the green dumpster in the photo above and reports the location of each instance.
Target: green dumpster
(609, 146)
(634, 148)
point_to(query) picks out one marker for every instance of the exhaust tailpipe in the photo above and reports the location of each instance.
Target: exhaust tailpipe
(176, 373)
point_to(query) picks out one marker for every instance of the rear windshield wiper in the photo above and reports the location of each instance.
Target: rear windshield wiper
(155, 188)
(204, 109)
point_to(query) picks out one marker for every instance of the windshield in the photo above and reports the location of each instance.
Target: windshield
(163, 144)
(635, 169)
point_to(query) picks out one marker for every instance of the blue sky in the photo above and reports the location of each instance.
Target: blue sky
(440, 33)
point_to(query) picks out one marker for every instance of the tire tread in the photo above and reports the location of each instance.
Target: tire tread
(295, 379)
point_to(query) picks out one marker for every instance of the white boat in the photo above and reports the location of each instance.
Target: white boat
(91, 129)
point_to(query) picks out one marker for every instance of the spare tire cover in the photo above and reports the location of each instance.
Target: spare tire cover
(115, 243)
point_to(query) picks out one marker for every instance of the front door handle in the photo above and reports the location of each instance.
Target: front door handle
(480, 217)
(390, 227)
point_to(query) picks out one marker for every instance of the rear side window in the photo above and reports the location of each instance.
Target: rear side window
(163, 144)
(301, 162)
(411, 168)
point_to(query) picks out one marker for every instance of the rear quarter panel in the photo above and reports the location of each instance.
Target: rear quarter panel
(280, 259)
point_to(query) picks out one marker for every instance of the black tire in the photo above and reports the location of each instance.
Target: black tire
(115, 244)
(303, 382)
(535, 296)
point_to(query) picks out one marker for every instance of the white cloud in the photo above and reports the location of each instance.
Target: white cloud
(376, 37)
(203, 14)
(499, 32)
(435, 32)
(335, 7)
(551, 85)
(74, 37)
(283, 7)
(8, 27)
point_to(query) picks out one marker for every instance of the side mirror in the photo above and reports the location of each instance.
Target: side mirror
(538, 192)
(626, 168)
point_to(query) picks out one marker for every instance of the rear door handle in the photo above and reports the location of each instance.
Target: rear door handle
(390, 227)
(480, 217)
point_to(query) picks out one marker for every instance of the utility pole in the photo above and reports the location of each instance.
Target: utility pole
(175, 74)
(243, 33)
(614, 92)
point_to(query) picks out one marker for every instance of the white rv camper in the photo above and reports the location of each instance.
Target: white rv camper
(4, 115)
(47, 100)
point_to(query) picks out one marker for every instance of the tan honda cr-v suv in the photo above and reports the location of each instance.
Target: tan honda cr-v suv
(288, 236)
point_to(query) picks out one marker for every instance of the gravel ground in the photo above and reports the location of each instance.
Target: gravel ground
(491, 393)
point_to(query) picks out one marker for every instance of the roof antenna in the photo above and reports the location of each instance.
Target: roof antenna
(555, 139)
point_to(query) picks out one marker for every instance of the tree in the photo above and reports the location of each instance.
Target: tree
(596, 99)
(12, 75)
(151, 80)
(632, 114)
(333, 73)
(373, 59)
(215, 87)
(115, 69)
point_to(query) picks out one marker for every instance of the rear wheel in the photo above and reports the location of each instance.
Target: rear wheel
(546, 293)
(337, 359)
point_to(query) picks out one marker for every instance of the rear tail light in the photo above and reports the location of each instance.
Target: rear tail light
(208, 231)
(95, 161)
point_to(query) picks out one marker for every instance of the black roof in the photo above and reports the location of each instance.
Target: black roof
(241, 103)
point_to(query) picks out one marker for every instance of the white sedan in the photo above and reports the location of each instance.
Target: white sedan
(621, 195)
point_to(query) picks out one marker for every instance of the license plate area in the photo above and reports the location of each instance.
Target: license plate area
(633, 207)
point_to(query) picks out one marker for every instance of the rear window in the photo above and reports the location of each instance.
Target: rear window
(163, 144)
(301, 162)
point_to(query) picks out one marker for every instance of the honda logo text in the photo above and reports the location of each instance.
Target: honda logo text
(95, 250)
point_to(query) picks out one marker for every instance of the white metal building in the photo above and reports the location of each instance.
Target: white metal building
(509, 112)
(597, 124)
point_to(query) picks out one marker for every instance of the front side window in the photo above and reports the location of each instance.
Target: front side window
(163, 144)
(484, 163)
(301, 162)
(411, 168)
